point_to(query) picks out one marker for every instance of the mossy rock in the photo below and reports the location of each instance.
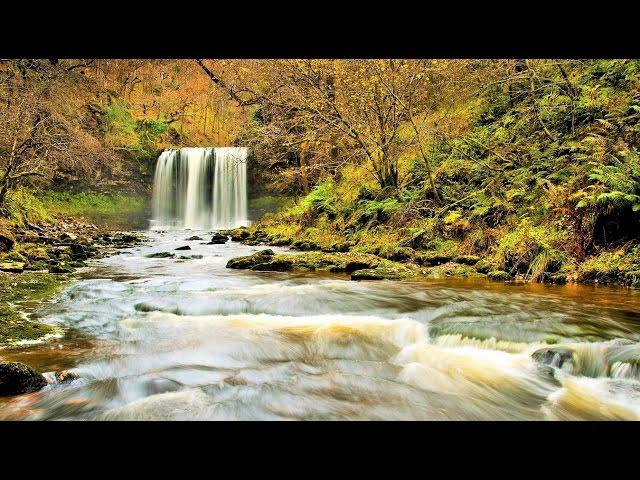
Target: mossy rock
(378, 273)
(12, 267)
(483, 266)
(60, 268)
(17, 378)
(500, 275)
(275, 265)
(15, 256)
(249, 261)
(467, 259)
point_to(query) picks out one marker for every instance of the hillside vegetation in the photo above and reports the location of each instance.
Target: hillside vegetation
(537, 173)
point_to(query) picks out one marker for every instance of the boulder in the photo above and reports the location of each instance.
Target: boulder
(17, 378)
(279, 265)
(498, 275)
(250, 261)
(218, 239)
(483, 266)
(194, 237)
(185, 247)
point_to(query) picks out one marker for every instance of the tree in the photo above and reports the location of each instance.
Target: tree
(32, 137)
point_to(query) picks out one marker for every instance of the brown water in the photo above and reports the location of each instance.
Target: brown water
(190, 339)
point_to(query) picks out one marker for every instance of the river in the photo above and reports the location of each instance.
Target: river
(188, 339)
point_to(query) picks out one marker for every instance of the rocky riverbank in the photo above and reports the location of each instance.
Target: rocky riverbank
(342, 257)
(38, 260)
(611, 268)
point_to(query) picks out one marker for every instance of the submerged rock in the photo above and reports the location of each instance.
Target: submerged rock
(559, 357)
(195, 237)
(189, 257)
(161, 255)
(65, 376)
(17, 378)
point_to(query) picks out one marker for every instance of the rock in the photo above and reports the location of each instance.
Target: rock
(250, 261)
(13, 267)
(189, 257)
(279, 265)
(351, 267)
(558, 357)
(378, 273)
(65, 376)
(161, 255)
(432, 259)
(467, 259)
(195, 237)
(498, 275)
(186, 247)
(559, 278)
(218, 239)
(60, 268)
(17, 378)
(69, 236)
(305, 245)
(280, 242)
(6, 240)
(483, 266)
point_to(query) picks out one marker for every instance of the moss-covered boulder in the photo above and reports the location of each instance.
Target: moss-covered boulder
(17, 378)
(500, 275)
(249, 261)
(483, 266)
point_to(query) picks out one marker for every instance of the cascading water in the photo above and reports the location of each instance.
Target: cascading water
(200, 188)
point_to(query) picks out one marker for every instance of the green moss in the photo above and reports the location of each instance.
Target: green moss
(18, 294)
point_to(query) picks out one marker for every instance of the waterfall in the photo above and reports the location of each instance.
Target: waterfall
(200, 188)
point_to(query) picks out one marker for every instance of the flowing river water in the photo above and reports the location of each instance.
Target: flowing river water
(183, 339)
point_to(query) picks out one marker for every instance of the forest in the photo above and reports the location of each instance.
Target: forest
(525, 169)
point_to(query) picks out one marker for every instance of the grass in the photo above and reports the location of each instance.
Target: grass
(114, 210)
